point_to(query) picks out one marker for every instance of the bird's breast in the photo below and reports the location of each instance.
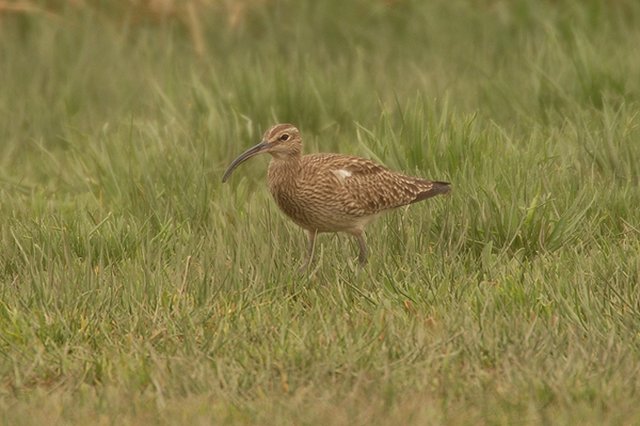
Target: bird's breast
(314, 197)
(284, 190)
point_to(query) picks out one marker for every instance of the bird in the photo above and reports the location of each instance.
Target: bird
(328, 192)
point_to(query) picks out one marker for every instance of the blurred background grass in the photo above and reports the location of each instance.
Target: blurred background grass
(135, 288)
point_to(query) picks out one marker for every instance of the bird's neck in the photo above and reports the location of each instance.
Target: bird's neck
(284, 168)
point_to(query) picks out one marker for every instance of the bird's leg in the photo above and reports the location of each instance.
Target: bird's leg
(311, 244)
(362, 243)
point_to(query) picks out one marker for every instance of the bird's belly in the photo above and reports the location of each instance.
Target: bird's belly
(316, 214)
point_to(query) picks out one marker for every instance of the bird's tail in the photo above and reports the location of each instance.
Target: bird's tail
(434, 188)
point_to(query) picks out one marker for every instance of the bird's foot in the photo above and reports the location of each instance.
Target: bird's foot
(306, 268)
(303, 268)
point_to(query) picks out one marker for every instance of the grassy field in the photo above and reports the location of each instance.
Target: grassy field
(135, 288)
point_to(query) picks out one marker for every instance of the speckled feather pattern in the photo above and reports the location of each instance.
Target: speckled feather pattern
(332, 192)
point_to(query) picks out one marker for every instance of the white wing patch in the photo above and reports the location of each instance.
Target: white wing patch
(342, 173)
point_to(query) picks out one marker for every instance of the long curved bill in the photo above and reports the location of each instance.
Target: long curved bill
(243, 157)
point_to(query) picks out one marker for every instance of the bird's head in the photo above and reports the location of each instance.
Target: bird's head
(281, 141)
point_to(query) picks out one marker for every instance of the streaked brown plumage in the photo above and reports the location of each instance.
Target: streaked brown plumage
(332, 192)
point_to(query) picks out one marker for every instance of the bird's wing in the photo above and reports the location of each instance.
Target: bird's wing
(364, 187)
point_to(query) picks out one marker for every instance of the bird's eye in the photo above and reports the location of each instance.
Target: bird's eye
(284, 137)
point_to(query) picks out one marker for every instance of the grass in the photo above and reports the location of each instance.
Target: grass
(136, 288)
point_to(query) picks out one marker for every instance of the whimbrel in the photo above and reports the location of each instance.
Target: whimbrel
(332, 192)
